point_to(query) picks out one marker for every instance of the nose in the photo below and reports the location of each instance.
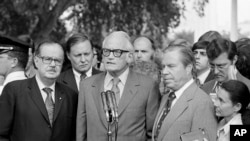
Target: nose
(197, 55)
(83, 58)
(165, 71)
(216, 70)
(53, 63)
(139, 54)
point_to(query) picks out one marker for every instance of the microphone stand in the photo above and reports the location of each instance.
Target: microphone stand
(107, 110)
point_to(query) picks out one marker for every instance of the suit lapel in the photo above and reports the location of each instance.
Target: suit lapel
(163, 101)
(129, 91)
(97, 88)
(59, 97)
(69, 79)
(36, 96)
(180, 106)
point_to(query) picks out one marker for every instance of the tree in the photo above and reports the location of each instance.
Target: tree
(40, 18)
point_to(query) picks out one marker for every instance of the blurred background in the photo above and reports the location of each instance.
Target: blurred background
(163, 20)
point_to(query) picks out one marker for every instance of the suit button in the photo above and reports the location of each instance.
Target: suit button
(49, 126)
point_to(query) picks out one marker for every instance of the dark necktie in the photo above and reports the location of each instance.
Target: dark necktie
(83, 76)
(165, 111)
(49, 103)
(116, 89)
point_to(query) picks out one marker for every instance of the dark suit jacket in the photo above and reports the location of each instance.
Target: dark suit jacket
(137, 109)
(210, 76)
(208, 87)
(193, 110)
(67, 78)
(24, 116)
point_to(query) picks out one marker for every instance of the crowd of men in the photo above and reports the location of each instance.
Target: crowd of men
(180, 102)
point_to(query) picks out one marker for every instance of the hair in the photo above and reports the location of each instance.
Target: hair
(187, 57)
(150, 40)
(200, 45)
(21, 57)
(238, 93)
(219, 46)
(123, 34)
(243, 62)
(46, 41)
(180, 41)
(76, 38)
(209, 36)
(242, 42)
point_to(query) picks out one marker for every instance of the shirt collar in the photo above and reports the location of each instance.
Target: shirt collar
(41, 85)
(179, 92)
(203, 76)
(123, 77)
(236, 120)
(14, 76)
(77, 74)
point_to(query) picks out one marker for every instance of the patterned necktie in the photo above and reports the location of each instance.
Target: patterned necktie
(83, 76)
(49, 103)
(165, 111)
(116, 89)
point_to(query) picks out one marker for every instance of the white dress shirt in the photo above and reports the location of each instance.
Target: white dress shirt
(204, 76)
(78, 76)
(44, 94)
(108, 81)
(223, 132)
(13, 76)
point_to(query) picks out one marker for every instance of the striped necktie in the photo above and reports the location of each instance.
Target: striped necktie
(50, 105)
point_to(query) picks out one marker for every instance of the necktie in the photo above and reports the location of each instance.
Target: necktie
(49, 103)
(116, 89)
(165, 111)
(83, 76)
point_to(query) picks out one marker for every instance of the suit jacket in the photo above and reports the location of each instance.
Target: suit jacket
(67, 78)
(24, 116)
(208, 87)
(193, 110)
(210, 76)
(137, 109)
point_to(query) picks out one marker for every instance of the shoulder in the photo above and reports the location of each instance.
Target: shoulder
(208, 86)
(64, 74)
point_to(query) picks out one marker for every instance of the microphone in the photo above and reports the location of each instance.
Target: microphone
(111, 103)
(105, 106)
(115, 105)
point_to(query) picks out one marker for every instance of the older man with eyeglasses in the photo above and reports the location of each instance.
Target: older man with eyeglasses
(137, 96)
(39, 108)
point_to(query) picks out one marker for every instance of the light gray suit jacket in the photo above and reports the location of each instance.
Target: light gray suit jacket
(137, 109)
(193, 110)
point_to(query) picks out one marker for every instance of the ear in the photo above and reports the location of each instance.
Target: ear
(130, 57)
(67, 55)
(189, 68)
(35, 60)
(235, 59)
(237, 107)
(14, 62)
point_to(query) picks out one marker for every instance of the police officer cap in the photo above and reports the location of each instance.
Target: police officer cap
(12, 44)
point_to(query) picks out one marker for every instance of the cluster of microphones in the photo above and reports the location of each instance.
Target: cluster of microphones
(110, 106)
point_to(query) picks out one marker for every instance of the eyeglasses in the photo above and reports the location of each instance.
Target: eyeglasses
(116, 52)
(48, 60)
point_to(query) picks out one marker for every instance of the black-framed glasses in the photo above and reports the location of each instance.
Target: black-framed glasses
(48, 60)
(116, 52)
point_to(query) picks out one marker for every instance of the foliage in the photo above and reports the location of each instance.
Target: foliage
(40, 18)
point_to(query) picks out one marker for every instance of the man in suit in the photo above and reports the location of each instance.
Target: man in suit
(222, 55)
(13, 59)
(39, 109)
(204, 73)
(144, 49)
(138, 96)
(80, 54)
(186, 108)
